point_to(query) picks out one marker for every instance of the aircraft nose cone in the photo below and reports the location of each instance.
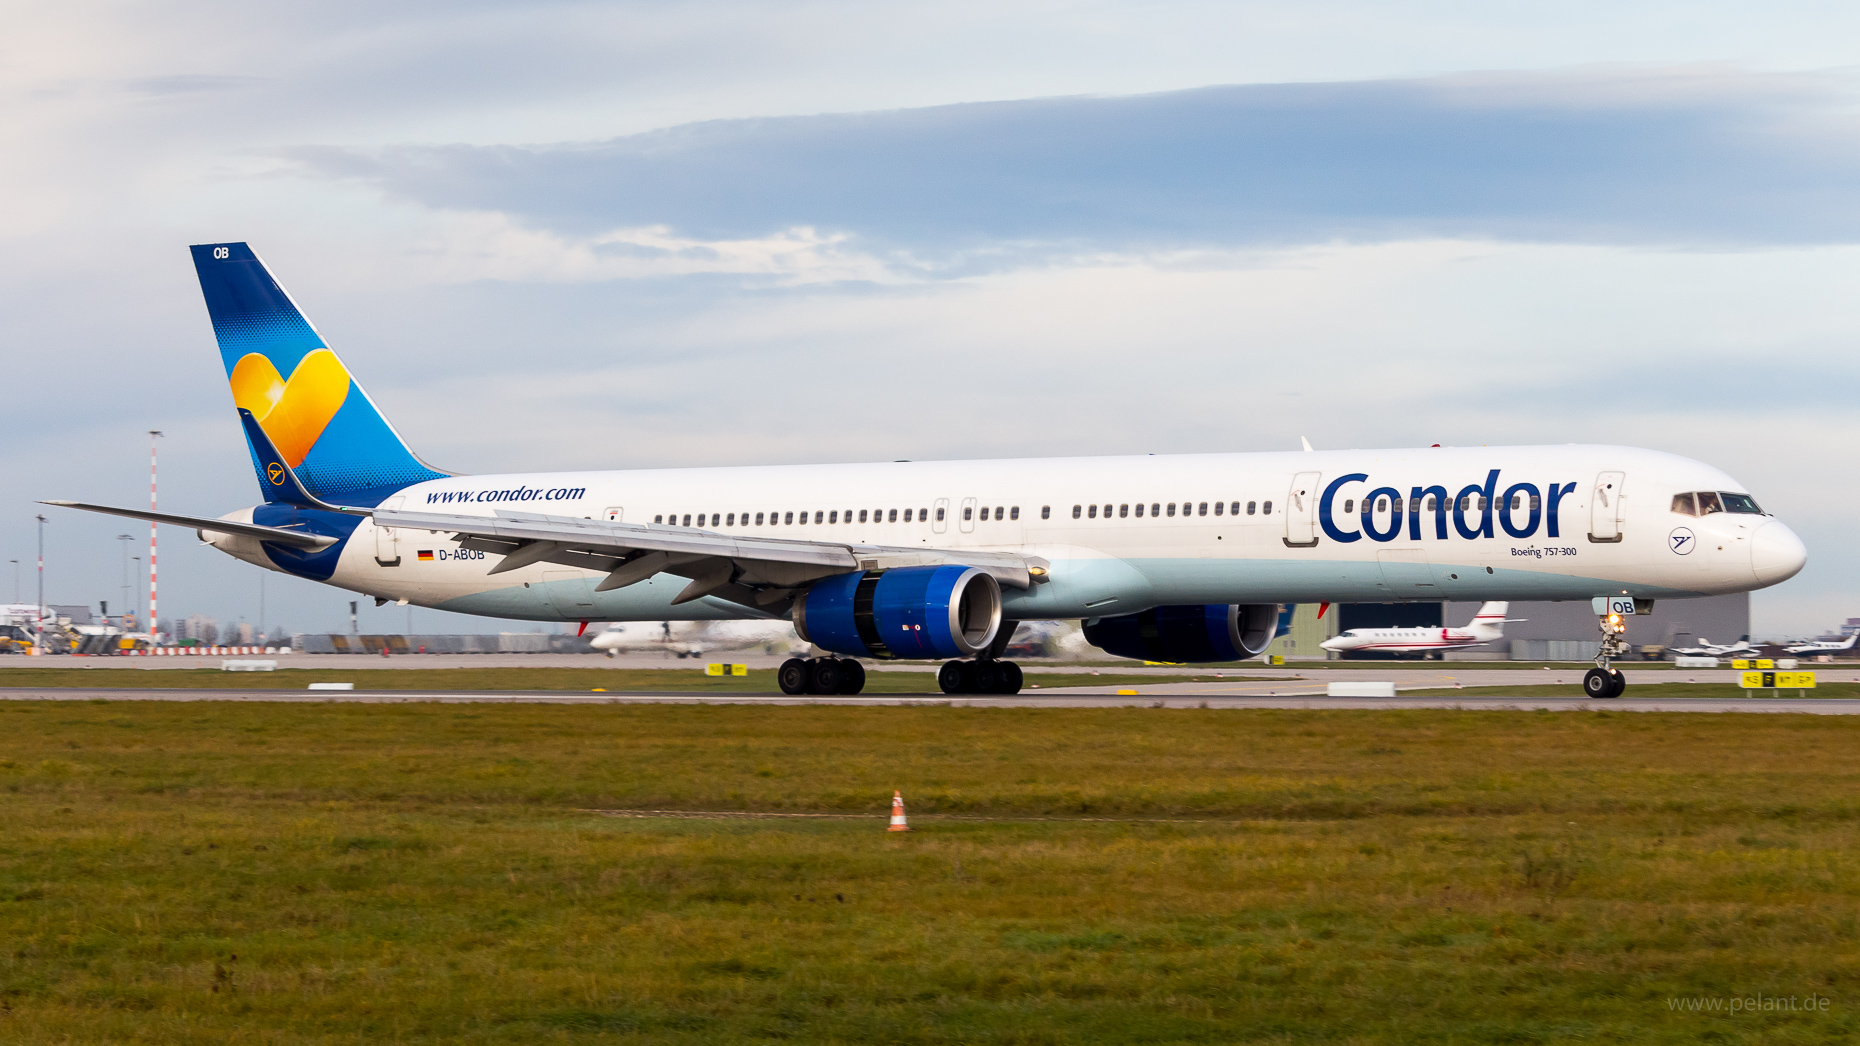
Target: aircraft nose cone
(1776, 554)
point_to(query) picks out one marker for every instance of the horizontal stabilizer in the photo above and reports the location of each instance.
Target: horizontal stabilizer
(275, 535)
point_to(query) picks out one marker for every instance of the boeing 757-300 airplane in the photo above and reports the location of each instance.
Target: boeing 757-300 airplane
(1178, 558)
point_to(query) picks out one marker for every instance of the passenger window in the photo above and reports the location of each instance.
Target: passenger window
(1382, 504)
(1046, 512)
(732, 520)
(1093, 514)
(1536, 503)
(1123, 511)
(1107, 512)
(894, 516)
(1235, 510)
(789, 518)
(967, 512)
(758, 519)
(1201, 509)
(1075, 512)
(817, 516)
(1349, 506)
(1395, 505)
(834, 516)
(1708, 503)
(1139, 510)
(1433, 503)
(1266, 509)
(1219, 506)
(862, 515)
(658, 519)
(1014, 513)
(997, 513)
(939, 515)
(1155, 508)
(1250, 506)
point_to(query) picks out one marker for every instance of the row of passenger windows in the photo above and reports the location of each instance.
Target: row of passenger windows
(1158, 508)
(1706, 502)
(875, 515)
(1468, 503)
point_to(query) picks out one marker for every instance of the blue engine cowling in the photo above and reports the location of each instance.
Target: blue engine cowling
(907, 612)
(1187, 635)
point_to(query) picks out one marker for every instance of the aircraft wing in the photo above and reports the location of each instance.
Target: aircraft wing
(759, 572)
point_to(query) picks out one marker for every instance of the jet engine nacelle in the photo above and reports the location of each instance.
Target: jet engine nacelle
(908, 612)
(1185, 635)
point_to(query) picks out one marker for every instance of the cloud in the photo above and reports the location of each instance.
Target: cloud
(1710, 159)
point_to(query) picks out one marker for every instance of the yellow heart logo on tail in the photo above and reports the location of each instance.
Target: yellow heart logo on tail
(293, 413)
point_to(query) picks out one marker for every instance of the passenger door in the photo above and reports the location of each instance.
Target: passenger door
(1606, 507)
(967, 522)
(387, 539)
(1301, 511)
(940, 522)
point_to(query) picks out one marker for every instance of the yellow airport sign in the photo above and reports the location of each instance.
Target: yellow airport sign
(1776, 680)
(1764, 663)
(726, 670)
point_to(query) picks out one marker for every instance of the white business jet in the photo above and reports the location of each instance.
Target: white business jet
(1181, 558)
(1487, 626)
(693, 638)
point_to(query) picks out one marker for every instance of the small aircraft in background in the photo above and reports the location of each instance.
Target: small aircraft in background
(693, 638)
(1824, 646)
(1707, 648)
(1486, 626)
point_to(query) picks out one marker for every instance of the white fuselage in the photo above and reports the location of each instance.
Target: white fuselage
(1214, 528)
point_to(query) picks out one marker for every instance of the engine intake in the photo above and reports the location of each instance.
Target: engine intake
(909, 612)
(1190, 634)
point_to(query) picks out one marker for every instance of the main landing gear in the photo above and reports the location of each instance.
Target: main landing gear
(979, 677)
(823, 676)
(1605, 680)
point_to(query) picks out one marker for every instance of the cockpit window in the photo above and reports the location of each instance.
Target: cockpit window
(1685, 505)
(1740, 503)
(1708, 503)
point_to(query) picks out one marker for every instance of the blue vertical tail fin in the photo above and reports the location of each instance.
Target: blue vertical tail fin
(297, 393)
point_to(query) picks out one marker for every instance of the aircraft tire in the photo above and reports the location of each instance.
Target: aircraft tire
(1620, 682)
(989, 678)
(956, 677)
(1011, 678)
(1599, 684)
(852, 677)
(826, 676)
(792, 676)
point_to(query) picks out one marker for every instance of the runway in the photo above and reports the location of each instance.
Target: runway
(1165, 696)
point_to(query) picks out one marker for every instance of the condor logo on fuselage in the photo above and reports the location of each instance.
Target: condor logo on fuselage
(1474, 511)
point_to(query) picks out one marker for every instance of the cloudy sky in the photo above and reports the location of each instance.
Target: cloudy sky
(613, 235)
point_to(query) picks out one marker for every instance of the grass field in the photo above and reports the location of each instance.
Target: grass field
(566, 679)
(342, 873)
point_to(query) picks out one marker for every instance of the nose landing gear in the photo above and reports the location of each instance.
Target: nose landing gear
(1605, 680)
(980, 677)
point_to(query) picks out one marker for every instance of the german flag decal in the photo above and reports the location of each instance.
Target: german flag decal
(426, 555)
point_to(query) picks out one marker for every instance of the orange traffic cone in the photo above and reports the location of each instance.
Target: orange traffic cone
(898, 823)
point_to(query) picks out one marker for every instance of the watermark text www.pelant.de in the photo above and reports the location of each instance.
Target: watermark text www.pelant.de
(1737, 1004)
